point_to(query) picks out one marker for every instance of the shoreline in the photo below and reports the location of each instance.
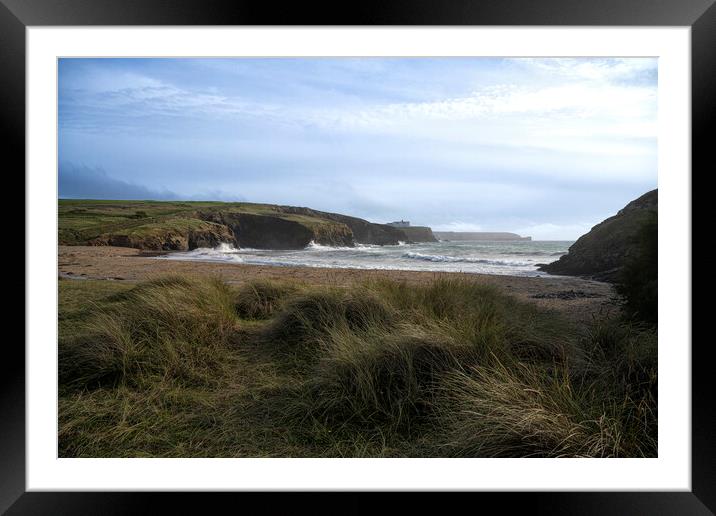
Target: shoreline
(419, 259)
(576, 297)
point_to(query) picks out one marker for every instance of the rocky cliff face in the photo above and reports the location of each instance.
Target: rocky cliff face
(364, 232)
(418, 234)
(261, 232)
(601, 253)
(335, 235)
(272, 232)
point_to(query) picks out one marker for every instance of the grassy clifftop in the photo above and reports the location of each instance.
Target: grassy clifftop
(82, 221)
(185, 225)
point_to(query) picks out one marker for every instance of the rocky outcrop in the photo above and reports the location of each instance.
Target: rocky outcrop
(601, 253)
(415, 234)
(333, 234)
(209, 237)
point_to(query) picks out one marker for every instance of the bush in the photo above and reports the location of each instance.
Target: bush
(638, 281)
(623, 361)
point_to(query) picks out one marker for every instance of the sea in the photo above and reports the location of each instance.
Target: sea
(515, 258)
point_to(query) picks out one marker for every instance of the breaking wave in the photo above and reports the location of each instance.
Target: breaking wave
(358, 247)
(461, 259)
(513, 258)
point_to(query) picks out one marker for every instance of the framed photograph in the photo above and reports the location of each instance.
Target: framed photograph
(406, 249)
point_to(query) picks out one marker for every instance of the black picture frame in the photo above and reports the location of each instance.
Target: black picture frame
(16, 15)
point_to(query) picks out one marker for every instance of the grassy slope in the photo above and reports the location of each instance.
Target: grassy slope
(83, 220)
(190, 367)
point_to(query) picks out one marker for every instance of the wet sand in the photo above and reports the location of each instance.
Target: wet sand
(578, 298)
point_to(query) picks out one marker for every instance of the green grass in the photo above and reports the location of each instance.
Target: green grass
(83, 220)
(173, 225)
(190, 367)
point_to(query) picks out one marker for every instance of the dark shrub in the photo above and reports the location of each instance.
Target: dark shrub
(638, 280)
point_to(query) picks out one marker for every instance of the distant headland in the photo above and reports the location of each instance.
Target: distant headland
(478, 235)
(425, 234)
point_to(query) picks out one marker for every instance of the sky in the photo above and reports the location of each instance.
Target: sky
(543, 147)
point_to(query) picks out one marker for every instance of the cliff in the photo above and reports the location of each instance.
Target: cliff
(274, 232)
(601, 253)
(478, 235)
(418, 234)
(180, 226)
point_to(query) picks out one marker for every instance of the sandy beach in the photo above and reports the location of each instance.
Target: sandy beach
(579, 298)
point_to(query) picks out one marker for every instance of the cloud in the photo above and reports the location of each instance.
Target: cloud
(139, 99)
(608, 109)
(215, 195)
(499, 144)
(83, 182)
(599, 69)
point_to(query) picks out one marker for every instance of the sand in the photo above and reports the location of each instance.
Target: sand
(578, 298)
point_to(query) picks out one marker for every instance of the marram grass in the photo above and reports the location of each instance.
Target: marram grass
(190, 367)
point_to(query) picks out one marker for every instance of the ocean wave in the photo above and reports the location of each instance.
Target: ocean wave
(221, 249)
(358, 247)
(320, 247)
(473, 258)
(535, 253)
(459, 259)
(225, 247)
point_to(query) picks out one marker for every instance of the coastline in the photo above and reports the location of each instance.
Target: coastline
(577, 298)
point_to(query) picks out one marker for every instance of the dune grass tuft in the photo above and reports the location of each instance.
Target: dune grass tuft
(261, 299)
(298, 329)
(377, 381)
(174, 326)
